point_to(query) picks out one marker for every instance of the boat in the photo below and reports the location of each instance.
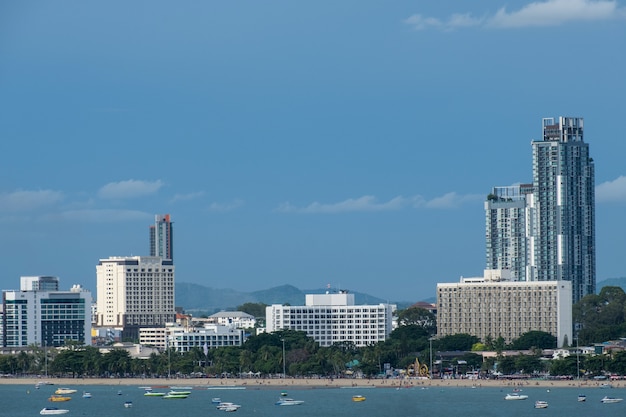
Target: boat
(541, 404)
(226, 406)
(288, 401)
(48, 411)
(170, 396)
(358, 398)
(283, 393)
(119, 392)
(610, 400)
(58, 398)
(150, 393)
(582, 398)
(86, 394)
(515, 396)
(175, 392)
(606, 386)
(128, 404)
(216, 400)
(62, 391)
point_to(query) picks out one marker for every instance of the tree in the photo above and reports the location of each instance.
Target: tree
(418, 316)
(254, 309)
(461, 341)
(534, 339)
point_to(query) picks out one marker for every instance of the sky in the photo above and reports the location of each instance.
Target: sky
(350, 143)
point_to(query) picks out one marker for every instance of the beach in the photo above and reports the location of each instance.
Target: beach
(304, 383)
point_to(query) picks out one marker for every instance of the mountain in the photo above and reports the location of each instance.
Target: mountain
(199, 299)
(611, 282)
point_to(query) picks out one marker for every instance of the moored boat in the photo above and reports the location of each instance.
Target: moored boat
(358, 398)
(170, 396)
(48, 411)
(227, 406)
(515, 396)
(541, 404)
(582, 398)
(288, 401)
(128, 404)
(62, 391)
(58, 398)
(86, 394)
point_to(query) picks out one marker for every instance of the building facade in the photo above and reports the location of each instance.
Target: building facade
(46, 318)
(545, 231)
(506, 234)
(134, 292)
(333, 318)
(493, 307)
(162, 237)
(563, 208)
(39, 283)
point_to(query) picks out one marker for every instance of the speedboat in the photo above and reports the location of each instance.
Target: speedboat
(86, 394)
(226, 406)
(174, 396)
(582, 398)
(216, 400)
(47, 411)
(515, 396)
(150, 393)
(128, 404)
(289, 401)
(58, 398)
(541, 404)
(609, 400)
(358, 398)
(62, 391)
(176, 392)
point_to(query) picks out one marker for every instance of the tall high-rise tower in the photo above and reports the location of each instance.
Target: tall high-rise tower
(562, 208)
(545, 231)
(162, 237)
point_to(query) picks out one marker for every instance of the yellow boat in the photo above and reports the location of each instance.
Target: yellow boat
(58, 398)
(358, 398)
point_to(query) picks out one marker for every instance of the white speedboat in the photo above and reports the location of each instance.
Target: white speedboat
(289, 401)
(541, 404)
(515, 396)
(610, 400)
(582, 398)
(128, 404)
(48, 411)
(226, 406)
(86, 394)
(62, 391)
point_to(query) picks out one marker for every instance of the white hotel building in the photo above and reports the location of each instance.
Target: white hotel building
(333, 318)
(492, 306)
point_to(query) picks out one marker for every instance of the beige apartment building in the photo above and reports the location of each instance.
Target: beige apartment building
(493, 306)
(135, 292)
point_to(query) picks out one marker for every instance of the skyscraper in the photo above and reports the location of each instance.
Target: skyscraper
(162, 237)
(562, 208)
(546, 231)
(505, 236)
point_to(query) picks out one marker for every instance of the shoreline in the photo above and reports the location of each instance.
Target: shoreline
(305, 383)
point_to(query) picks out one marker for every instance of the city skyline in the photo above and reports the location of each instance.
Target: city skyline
(349, 144)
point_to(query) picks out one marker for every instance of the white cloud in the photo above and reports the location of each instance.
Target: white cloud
(29, 200)
(369, 203)
(539, 13)
(101, 216)
(129, 189)
(612, 191)
(224, 207)
(187, 197)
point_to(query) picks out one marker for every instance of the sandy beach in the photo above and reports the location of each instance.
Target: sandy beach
(305, 383)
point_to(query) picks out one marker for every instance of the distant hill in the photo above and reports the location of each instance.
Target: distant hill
(199, 299)
(611, 282)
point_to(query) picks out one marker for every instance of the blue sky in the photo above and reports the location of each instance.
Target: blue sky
(349, 143)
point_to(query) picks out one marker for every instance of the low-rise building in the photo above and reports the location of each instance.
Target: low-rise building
(492, 307)
(333, 318)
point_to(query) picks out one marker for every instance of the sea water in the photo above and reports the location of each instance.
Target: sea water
(108, 401)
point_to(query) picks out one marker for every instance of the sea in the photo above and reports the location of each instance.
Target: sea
(108, 401)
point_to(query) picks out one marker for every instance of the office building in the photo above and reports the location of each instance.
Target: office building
(491, 306)
(333, 318)
(39, 283)
(134, 292)
(162, 237)
(45, 317)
